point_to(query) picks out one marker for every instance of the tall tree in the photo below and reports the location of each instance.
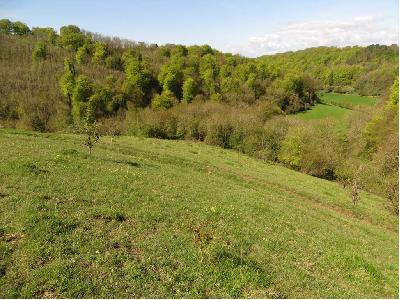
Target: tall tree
(67, 81)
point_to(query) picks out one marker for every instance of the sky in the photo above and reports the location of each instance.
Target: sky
(251, 28)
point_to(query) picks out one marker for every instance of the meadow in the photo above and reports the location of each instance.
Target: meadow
(322, 111)
(347, 99)
(143, 217)
(336, 106)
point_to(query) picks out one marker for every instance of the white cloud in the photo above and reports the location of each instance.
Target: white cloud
(363, 30)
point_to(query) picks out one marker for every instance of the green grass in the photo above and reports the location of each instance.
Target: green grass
(151, 218)
(337, 107)
(323, 111)
(347, 99)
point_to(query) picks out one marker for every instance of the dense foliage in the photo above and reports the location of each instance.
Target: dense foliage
(53, 81)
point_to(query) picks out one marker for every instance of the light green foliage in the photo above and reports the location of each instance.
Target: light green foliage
(292, 148)
(312, 148)
(189, 90)
(341, 75)
(208, 73)
(216, 97)
(381, 135)
(82, 54)
(171, 82)
(118, 102)
(19, 28)
(137, 80)
(382, 128)
(83, 89)
(6, 26)
(394, 93)
(97, 105)
(293, 84)
(206, 49)
(100, 52)
(71, 37)
(15, 28)
(171, 76)
(142, 212)
(45, 32)
(165, 100)
(134, 93)
(39, 52)
(366, 70)
(52, 36)
(82, 92)
(92, 135)
(179, 50)
(136, 72)
(67, 80)
(251, 83)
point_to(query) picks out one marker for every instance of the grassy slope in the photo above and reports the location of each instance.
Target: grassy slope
(122, 223)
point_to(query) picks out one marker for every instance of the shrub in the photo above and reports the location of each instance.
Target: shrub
(82, 54)
(39, 52)
(165, 100)
(100, 52)
(219, 133)
(292, 149)
(36, 114)
(313, 148)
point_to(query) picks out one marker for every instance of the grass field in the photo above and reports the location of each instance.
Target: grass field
(152, 218)
(323, 111)
(335, 106)
(347, 99)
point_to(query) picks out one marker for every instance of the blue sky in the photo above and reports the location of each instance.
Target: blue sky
(252, 27)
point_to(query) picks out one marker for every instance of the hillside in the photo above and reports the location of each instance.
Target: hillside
(51, 80)
(151, 218)
(365, 70)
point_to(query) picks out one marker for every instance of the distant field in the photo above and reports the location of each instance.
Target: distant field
(346, 99)
(335, 106)
(321, 111)
(147, 218)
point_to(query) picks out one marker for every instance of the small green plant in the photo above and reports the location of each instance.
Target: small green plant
(92, 135)
(120, 217)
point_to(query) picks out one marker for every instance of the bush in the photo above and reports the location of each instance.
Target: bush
(39, 52)
(313, 148)
(219, 133)
(165, 100)
(111, 126)
(157, 124)
(36, 114)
